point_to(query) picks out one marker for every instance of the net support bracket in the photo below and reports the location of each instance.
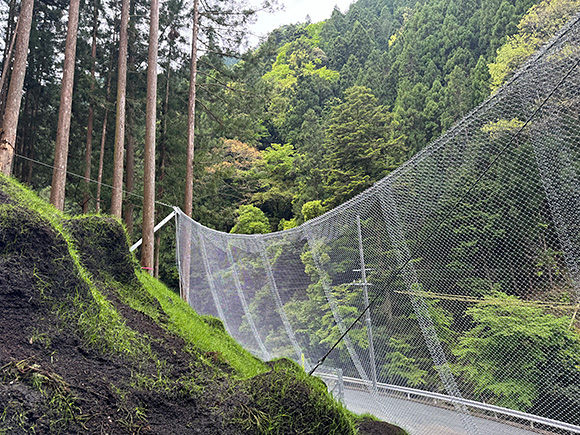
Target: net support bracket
(158, 226)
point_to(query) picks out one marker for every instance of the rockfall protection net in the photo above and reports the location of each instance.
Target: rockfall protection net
(483, 304)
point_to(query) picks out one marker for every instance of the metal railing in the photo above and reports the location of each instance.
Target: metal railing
(382, 388)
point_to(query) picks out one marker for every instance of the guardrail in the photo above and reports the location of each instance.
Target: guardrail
(450, 399)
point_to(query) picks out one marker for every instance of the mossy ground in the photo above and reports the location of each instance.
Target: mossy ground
(90, 344)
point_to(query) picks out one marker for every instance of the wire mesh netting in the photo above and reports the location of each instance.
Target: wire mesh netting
(475, 281)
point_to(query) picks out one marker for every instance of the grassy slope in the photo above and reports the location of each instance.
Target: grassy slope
(120, 314)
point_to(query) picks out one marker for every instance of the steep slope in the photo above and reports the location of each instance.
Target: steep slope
(90, 345)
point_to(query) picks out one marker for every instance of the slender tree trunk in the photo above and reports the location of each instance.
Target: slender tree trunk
(188, 206)
(31, 143)
(164, 139)
(11, 33)
(8, 58)
(89, 148)
(151, 116)
(10, 121)
(130, 185)
(191, 115)
(57, 192)
(101, 161)
(103, 140)
(165, 112)
(23, 131)
(130, 171)
(117, 194)
(27, 133)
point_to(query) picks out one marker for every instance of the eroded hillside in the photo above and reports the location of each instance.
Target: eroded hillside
(90, 344)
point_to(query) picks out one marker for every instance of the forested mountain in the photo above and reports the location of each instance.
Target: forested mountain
(316, 114)
(304, 122)
(351, 98)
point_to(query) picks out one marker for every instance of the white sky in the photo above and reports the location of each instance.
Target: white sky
(295, 11)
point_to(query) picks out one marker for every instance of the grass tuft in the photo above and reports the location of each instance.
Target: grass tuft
(202, 332)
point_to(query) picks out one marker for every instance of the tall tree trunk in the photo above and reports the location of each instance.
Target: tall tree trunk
(101, 161)
(191, 114)
(117, 194)
(103, 140)
(164, 138)
(8, 59)
(130, 185)
(11, 33)
(151, 116)
(188, 206)
(31, 142)
(25, 125)
(57, 191)
(10, 121)
(89, 148)
(130, 171)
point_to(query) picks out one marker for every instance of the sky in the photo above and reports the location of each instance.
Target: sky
(295, 11)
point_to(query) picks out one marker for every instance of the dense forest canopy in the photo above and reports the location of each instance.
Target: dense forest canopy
(318, 112)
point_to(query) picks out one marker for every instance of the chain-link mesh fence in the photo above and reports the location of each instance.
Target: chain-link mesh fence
(475, 281)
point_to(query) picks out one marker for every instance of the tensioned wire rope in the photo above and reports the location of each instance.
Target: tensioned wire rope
(397, 272)
(90, 179)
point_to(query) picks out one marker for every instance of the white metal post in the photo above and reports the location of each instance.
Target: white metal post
(365, 285)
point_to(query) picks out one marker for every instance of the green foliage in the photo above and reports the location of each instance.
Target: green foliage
(251, 220)
(279, 161)
(539, 23)
(401, 368)
(287, 225)
(504, 354)
(312, 209)
(276, 193)
(361, 145)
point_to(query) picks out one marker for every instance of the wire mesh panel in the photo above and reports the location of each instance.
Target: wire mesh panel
(451, 285)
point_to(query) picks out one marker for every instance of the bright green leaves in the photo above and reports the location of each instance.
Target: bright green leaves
(297, 62)
(312, 209)
(401, 368)
(275, 195)
(300, 57)
(251, 220)
(279, 161)
(281, 75)
(540, 23)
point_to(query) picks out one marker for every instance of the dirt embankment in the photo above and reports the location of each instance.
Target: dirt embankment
(86, 348)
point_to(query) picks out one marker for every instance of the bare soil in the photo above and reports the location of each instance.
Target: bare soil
(52, 381)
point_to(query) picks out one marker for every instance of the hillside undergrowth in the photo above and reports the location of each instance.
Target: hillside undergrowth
(91, 344)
